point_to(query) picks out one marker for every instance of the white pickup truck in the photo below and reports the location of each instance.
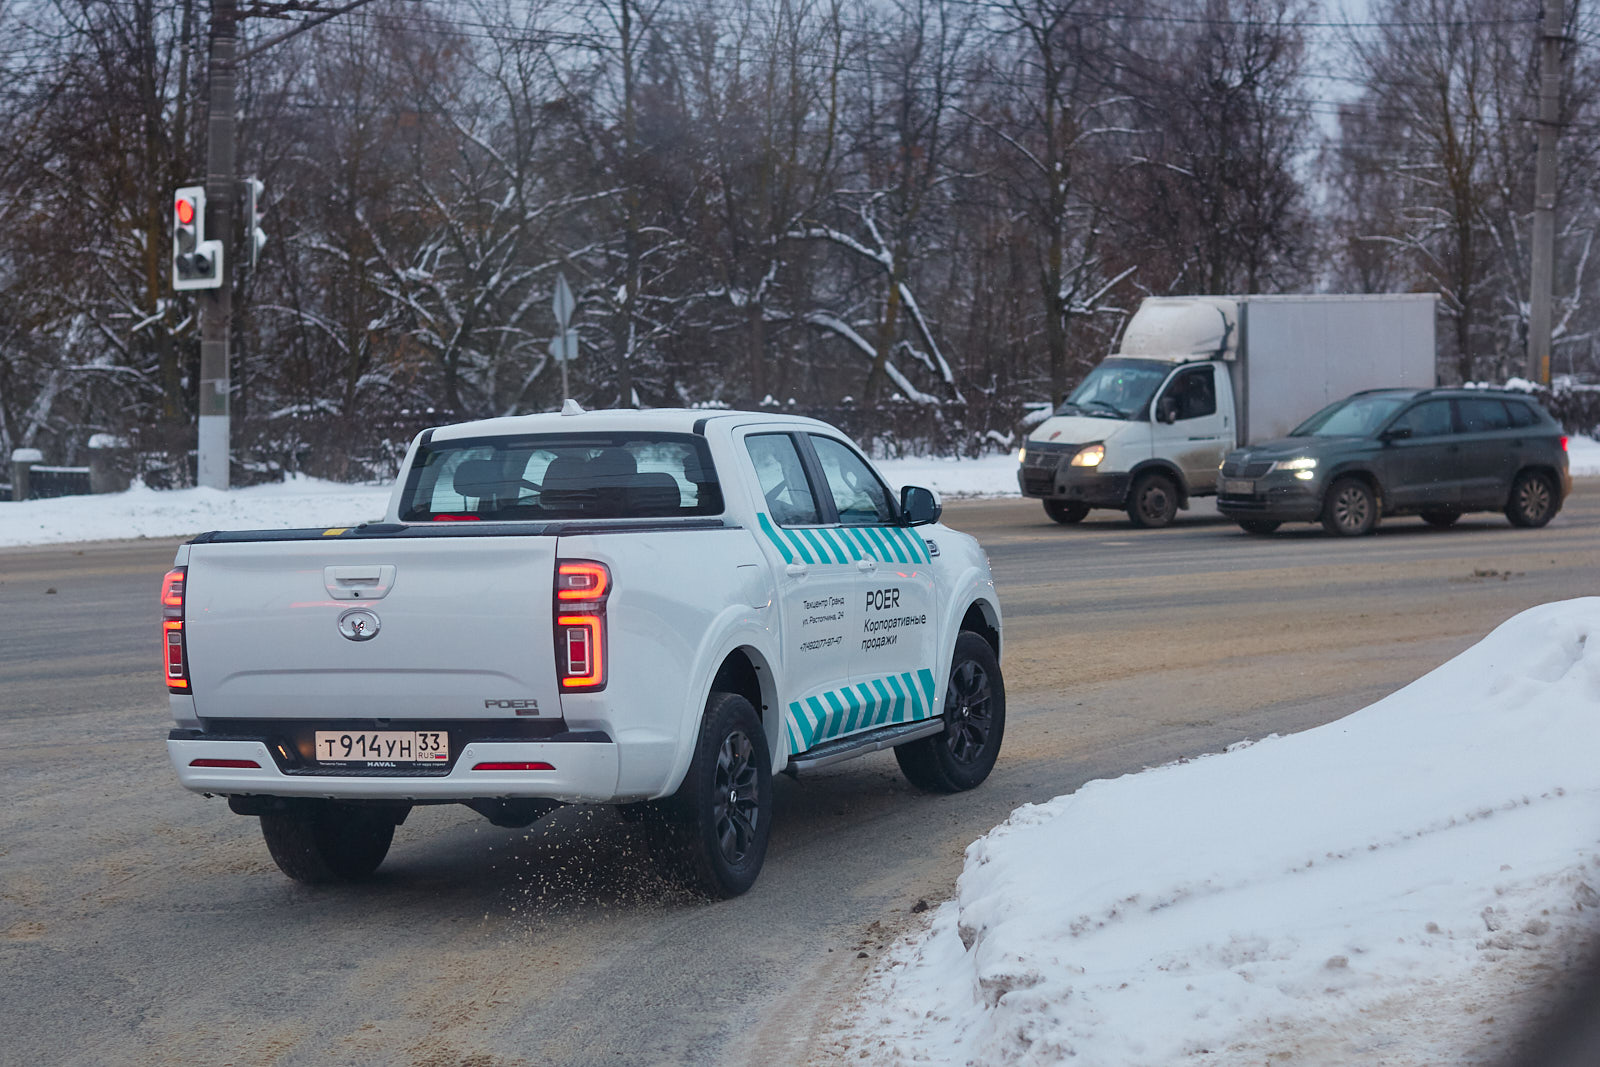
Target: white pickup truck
(658, 609)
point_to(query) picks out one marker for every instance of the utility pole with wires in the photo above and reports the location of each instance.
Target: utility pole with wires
(222, 186)
(1541, 274)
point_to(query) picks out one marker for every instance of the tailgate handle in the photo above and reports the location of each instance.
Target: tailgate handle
(366, 582)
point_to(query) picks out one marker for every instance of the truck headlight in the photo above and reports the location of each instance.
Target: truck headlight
(1089, 456)
(1022, 454)
(1299, 463)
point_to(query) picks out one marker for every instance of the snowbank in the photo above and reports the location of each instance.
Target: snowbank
(1357, 888)
(307, 502)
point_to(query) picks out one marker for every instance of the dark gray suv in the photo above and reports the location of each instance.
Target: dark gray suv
(1429, 452)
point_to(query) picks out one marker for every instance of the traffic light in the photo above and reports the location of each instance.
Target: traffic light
(255, 211)
(196, 262)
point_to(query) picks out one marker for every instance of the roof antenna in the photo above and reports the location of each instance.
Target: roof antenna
(571, 407)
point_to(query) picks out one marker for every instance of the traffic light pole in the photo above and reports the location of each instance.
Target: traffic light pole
(216, 305)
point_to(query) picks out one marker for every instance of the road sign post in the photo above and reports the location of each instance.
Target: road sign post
(564, 345)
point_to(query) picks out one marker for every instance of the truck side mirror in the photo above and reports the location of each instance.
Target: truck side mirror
(1167, 409)
(1395, 433)
(919, 506)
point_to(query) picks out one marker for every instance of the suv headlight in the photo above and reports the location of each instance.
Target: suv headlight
(1089, 456)
(1299, 463)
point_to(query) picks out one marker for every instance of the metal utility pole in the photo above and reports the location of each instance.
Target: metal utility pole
(217, 304)
(1542, 270)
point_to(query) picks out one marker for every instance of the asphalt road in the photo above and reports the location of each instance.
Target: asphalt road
(140, 924)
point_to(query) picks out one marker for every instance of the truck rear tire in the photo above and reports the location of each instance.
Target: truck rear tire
(1350, 509)
(719, 820)
(1066, 512)
(322, 841)
(1153, 500)
(962, 756)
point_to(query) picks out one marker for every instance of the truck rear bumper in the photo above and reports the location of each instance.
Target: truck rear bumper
(580, 771)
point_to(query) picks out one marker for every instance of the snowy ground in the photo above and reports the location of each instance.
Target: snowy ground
(1394, 887)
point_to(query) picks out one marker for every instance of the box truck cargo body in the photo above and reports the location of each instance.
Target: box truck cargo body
(1198, 376)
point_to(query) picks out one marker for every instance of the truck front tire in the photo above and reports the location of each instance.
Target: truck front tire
(1153, 500)
(323, 841)
(1066, 512)
(719, 820)
(962, 756)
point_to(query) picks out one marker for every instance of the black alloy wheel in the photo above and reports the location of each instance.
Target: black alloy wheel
(1533, 500)
(1153, 501)
(1066, 512)
(962, 755)
(1350, 509)
(714, 829)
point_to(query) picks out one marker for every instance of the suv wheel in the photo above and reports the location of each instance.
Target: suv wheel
(1153, 501)
(1066, 512)
(1441, 518)
(1259, 526)
(1350, 508)
(1533, 500)
(962, 756)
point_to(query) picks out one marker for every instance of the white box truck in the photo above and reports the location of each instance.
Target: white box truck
(1197, 376)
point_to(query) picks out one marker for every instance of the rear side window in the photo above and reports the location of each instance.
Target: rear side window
(1431, 418)
(562, 476)
(1482, 415)
(1522, 415)
(783, 481)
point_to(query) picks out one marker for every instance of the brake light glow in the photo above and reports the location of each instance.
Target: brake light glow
(581, 589)
(581, 580)
(174, 653)
(231, 764)
(1563, 443)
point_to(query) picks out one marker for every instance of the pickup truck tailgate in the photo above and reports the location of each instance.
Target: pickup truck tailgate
(376, 628)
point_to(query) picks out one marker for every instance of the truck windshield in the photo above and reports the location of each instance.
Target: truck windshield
(1117, 389)
(562, 476)
(1356, 416)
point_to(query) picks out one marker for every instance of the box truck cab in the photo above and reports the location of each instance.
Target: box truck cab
(1197, 376)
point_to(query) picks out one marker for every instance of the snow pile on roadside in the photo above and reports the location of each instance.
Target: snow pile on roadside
(307, 503)
(140, 512)
(1367, 890)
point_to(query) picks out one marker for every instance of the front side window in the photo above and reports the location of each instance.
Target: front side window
(858, 494)
(562, 476)
(782, 478)
(1195, 392)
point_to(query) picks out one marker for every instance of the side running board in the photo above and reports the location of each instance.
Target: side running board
(831, 752)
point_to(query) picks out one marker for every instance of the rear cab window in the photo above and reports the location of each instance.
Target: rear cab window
(546, 477)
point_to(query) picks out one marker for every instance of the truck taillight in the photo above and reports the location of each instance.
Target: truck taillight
(581, 589)
(176, 660)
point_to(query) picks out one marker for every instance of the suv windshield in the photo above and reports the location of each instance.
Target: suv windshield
(1356, 416)
(562, 476)
(1117, 388)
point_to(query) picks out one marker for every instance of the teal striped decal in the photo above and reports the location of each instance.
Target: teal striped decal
(894, 698)
(834, 545)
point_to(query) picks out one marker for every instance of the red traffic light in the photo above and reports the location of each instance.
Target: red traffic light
(185, 209)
